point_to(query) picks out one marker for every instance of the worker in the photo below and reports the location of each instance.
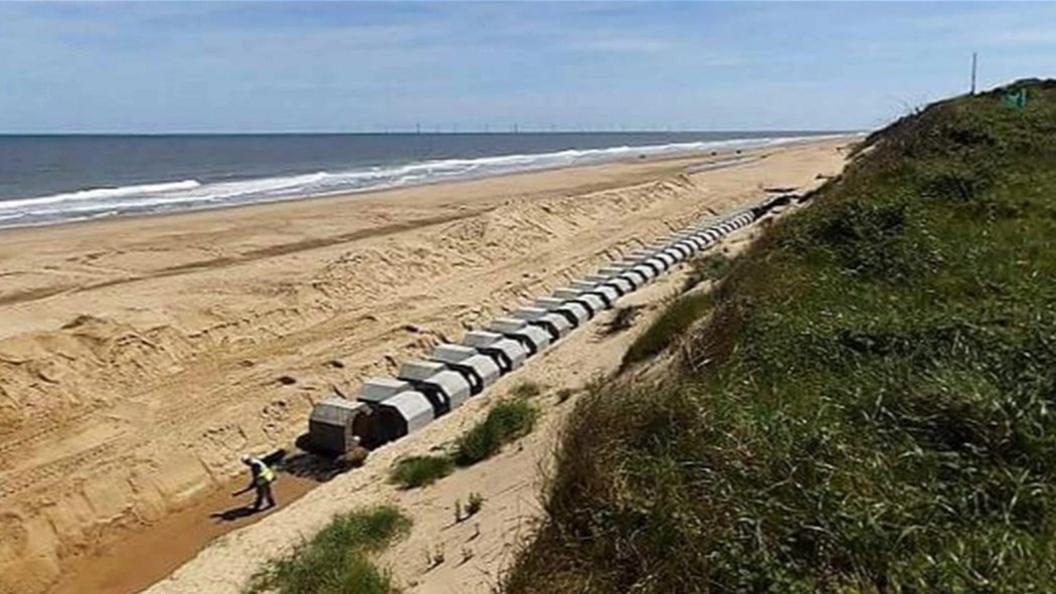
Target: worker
(262, 477)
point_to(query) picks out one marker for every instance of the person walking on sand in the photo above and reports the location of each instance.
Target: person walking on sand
(262, 477)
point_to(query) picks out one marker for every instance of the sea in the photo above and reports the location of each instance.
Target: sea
(50, 179)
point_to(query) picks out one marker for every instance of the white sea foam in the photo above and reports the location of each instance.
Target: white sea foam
(99, 194)
(193, 194)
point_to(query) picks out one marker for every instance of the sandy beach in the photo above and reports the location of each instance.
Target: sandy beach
(139, 358)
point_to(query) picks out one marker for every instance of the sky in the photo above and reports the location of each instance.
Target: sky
(154, 67)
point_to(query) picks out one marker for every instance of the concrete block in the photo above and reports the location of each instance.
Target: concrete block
(446, 389)
(648, 273)
(478, 369)
(666, 257)
(556, 324)
(649, 258)
(618, 283)
(677, 253)
(594, 301)
(508, 353)
(576, 313)
(333, 423)
(637, 279)
(698, 242)
(684, 248)
(376, 389)
(606, 292)
(533, 338)
(401, 415)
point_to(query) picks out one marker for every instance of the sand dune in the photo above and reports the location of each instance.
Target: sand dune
(139, 358)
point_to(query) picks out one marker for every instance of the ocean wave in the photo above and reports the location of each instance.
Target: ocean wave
(192, 194)
(101, 194)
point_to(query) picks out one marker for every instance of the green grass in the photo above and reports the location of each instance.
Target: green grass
(420, 471)
(506, 421)
(667, 328)
(474, 504)
(337, 559)
(870, 407)
(712, 267)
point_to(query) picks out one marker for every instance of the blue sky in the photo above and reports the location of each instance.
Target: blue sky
(250, 67)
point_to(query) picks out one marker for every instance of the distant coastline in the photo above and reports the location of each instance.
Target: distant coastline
(61, 179)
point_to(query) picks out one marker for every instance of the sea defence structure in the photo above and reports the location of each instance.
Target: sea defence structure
(389, 408)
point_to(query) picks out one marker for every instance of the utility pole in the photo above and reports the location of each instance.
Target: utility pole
(974, 63)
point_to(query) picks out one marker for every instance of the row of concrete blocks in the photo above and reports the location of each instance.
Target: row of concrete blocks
(423, 390)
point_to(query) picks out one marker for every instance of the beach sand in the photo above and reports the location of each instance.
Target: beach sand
(139, 358)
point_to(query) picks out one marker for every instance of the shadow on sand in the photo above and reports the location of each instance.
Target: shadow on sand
(303, 464)
(235, 513)
(306, 464)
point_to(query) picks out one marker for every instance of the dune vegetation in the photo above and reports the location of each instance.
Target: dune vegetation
(868, 406)
(338, 560)
(507, 421)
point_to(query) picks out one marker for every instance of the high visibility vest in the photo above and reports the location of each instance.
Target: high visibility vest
(266, 474)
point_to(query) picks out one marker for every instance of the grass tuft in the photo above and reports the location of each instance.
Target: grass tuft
(666, 329)
(420, 471)
(526, 390)
(337, 559)
(712, 267)
(507, 421)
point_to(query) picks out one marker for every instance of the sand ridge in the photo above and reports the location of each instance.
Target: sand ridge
(138, 359)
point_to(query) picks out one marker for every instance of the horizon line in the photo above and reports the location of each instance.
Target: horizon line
(403, 132)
